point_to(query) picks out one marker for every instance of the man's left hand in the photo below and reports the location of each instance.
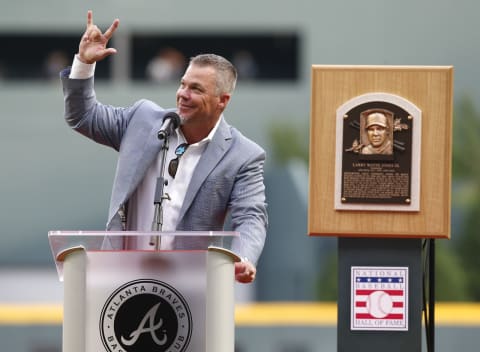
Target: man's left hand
(245, 272)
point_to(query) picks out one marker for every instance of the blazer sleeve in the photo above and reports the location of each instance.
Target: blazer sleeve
(104, 124)
(248, 208)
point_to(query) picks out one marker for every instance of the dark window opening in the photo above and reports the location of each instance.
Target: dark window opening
(30, 56)
(260, 57)
(272, 56)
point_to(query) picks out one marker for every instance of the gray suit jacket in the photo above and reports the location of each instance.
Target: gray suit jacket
(228, 178)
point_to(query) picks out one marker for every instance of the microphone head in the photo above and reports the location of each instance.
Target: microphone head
(171, 121)
(175, 119)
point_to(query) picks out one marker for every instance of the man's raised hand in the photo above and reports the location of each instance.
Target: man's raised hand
(93, 45)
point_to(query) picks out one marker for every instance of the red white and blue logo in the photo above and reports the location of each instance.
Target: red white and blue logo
(379, 298)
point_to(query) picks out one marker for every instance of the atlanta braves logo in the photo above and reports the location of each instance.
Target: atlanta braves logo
(145, 315)
(151, 328)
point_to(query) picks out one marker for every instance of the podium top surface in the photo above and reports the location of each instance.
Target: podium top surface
(63, 243)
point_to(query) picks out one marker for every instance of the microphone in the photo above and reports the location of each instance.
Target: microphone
(171, 121)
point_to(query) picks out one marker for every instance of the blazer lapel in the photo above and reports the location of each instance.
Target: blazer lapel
(150, 151)
(132, 166)
(214, 152)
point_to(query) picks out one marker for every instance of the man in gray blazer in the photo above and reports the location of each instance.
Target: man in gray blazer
(215, 171)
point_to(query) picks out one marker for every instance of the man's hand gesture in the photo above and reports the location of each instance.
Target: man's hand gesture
(93, 46)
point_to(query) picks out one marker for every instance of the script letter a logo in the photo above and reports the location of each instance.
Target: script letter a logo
(147, 325)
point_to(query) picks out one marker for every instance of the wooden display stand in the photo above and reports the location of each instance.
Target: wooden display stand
(144, 300)
(380, 206)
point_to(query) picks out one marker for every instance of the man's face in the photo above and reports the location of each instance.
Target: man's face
(197, 99)
(376, 135)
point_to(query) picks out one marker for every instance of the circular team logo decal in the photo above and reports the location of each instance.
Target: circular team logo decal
(146, 315)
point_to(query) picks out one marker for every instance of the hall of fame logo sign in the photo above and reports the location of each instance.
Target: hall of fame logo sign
(379, 299)
(146, 315)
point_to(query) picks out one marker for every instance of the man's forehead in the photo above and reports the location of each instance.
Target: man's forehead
(200, 76)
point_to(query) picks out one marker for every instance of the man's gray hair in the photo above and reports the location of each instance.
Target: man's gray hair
(226, 72)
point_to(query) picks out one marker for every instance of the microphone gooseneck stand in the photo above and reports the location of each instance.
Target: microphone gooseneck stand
(159, 197)
(171, 121)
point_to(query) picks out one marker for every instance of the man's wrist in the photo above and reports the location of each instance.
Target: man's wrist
(81, 70)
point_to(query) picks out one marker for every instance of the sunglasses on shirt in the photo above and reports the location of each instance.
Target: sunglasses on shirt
(173, 165)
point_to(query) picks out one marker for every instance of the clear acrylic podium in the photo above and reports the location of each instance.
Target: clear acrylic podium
(178, 299)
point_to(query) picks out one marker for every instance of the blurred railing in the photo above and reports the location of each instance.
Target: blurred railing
(255, 314)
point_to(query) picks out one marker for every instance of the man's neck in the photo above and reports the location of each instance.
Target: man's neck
(195, 132)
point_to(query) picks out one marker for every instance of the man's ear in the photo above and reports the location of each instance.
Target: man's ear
(224, 99)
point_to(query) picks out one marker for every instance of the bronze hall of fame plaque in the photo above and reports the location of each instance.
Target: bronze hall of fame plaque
(379, 152)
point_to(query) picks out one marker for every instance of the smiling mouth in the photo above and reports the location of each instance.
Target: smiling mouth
(183, 106)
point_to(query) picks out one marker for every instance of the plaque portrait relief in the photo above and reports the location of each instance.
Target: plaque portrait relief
(377, 154)
(377, 132)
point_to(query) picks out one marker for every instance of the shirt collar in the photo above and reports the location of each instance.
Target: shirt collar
(208, 138)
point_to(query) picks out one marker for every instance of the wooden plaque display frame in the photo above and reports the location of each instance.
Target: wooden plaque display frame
(430, 88)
